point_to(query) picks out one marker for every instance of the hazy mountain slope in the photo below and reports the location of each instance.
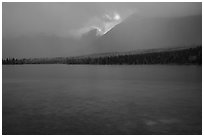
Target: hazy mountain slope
(144, 33)
(44, 45)
(37, 46)
(132, 34)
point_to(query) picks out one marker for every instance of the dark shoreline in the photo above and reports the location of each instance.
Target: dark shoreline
(185, 56)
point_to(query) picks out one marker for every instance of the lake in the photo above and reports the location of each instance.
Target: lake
(101, 99)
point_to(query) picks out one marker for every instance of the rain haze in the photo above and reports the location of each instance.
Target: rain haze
(67, 29)
(102, 68)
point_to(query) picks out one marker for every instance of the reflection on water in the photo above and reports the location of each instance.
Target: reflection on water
(91, 99)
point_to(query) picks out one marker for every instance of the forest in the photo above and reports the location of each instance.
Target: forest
(191, 55)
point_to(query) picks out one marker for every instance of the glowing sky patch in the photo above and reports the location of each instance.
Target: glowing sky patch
(117, 17)
(103, 23)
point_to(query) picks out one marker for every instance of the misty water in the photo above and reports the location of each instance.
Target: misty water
(102, 99)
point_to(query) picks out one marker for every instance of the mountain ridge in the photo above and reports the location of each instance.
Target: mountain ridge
(143, 33)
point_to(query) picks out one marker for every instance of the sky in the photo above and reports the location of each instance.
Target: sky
(30, 29)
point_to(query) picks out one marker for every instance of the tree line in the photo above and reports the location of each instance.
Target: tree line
(191, 55)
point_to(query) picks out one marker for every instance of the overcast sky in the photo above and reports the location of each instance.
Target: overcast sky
(72, 20)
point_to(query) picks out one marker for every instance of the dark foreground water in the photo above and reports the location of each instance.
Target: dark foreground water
(91, 99)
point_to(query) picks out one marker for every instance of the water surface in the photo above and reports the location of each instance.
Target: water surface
(102, 99)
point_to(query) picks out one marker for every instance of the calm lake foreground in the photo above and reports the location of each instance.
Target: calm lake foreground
(102, 99)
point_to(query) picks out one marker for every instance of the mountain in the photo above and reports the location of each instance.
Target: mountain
(45, 45)
(148, 33)
(132, 34)
(39, 45)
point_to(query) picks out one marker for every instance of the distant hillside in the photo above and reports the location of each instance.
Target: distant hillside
(182, 55)
(134, 33)
(144, 33)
